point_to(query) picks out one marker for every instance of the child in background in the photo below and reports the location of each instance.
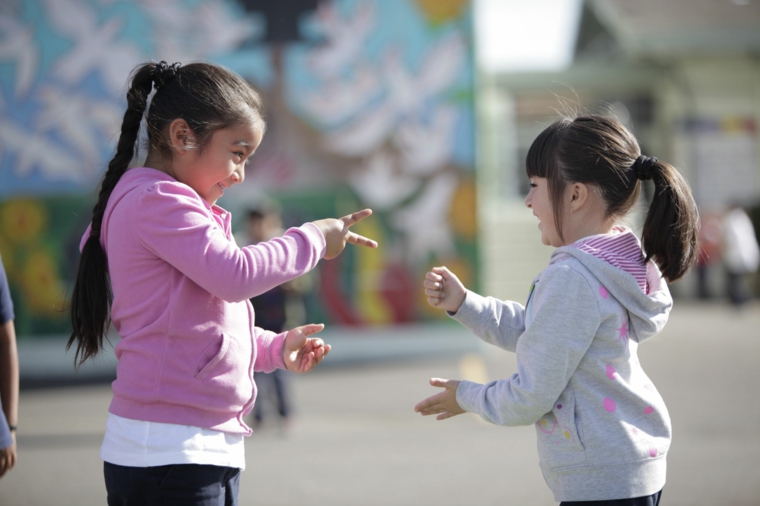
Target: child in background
(271, 310)
(160, 256)
(603, 429)
(8, 378)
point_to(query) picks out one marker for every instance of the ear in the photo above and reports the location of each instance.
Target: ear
(578, 195)
(181, 138)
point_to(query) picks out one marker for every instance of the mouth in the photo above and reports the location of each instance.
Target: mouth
(221, 187)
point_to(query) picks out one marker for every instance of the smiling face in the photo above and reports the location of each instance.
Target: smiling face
(539, 200)
(221, 162)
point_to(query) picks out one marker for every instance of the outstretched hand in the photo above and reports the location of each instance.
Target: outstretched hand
(443, 404)
(337, 233)
(302, 353)
(444, 290)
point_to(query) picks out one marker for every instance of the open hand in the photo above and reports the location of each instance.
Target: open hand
(8, 457)
(302, 353)
(443, 404)
(444, 290)
(337, 234)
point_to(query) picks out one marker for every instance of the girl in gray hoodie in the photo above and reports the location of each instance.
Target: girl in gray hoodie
(603, 429)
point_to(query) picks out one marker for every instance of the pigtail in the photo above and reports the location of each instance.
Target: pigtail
(670, 230)
(91, 298)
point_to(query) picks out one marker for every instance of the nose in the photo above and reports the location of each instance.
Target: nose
(528, 200)
(238, 176)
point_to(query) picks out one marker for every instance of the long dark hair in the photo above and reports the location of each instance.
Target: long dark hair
(208, 98)
(600, 151)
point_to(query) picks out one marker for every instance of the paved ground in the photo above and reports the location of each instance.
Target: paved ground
(356, 441)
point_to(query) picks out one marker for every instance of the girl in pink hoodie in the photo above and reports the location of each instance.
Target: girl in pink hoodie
(160, 263)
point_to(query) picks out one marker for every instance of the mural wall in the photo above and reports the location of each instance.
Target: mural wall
(369, 104)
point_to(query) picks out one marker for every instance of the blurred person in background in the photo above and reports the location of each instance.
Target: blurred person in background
(710, 244)
(8, 378)
(275, 310)
(741, 254)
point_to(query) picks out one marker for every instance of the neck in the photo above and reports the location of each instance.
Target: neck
(582, 225)
(154, 161)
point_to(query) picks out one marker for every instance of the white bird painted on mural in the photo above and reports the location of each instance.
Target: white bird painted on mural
(365, 134)
(439, 70)
(96, 121)
(379, 185)
(424, 222)
(345, 38)
(406, 95)
(191, 33)
(18, 47)
(339, 99)
(32, 150)
(95, 45)
(427, 147)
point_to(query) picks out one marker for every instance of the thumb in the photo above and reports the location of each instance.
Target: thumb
(311, 328)
(438, 382)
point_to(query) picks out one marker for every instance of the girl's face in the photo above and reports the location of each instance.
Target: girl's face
(221, 163)
(539, 201)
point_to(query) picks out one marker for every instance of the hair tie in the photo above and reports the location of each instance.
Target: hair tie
(163, 73)
(642, 167)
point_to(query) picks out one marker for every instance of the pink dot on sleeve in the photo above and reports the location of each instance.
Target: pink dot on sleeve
(648, 410)
(603, 292)
(611, 372)
(652, 451)
(609, 404)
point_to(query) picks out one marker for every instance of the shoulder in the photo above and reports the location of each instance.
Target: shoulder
(565, 278)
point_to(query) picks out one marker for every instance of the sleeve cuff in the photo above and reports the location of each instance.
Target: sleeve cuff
(275, 351)
(467, 395)
(315, 237)
(469, 312)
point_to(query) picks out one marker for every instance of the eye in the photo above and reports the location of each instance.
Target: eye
(533, 185)
(239, 154)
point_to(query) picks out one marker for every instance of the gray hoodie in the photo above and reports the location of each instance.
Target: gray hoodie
(603, 429)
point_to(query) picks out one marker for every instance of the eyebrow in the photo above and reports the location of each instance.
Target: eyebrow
(242, 143)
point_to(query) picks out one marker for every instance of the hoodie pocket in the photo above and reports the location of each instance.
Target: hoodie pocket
(211, 357)
(559, 440)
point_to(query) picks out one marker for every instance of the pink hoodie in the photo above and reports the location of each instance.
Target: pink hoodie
(181, 286)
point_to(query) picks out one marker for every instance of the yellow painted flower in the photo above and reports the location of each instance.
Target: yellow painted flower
(463, 213)
(41, 284)
(441, 11)
(22, 220)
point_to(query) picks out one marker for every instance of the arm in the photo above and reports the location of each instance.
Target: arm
(548, 354)
(173, 223)
(9, 379)
(495, 322)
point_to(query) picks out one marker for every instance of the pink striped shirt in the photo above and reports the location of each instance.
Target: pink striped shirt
(620, 248)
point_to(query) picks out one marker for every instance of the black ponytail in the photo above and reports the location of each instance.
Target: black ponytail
(91, 298)
(671, 227)
(600, 150)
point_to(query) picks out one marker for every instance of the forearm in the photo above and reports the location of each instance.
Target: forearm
(9, 374)
(494, 321)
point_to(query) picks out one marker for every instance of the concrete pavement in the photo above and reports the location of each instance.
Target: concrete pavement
(355, 440)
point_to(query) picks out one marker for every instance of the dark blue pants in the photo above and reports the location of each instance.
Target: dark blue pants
(650, 500)
(179, 484)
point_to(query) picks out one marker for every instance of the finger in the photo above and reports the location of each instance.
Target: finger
(432, 276)
(441, 271)
(327, 349)
(434, 292)
(436, 285)
(360, 240)
(311, 328)
(434, 301)
(446, 415)
(357, 216)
